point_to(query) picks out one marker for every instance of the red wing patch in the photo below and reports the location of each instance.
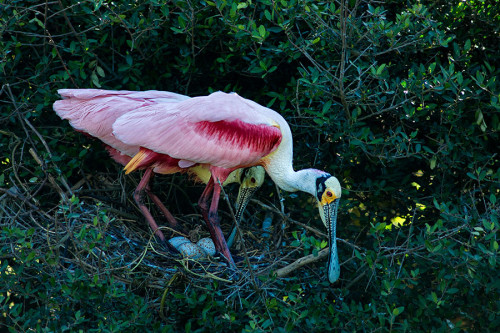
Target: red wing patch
(257, 138)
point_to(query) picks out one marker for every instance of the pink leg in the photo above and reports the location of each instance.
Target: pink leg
(170, 218)
(139, 199)
(212, 219)
(205, 196)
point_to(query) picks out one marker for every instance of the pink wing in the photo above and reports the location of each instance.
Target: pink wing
(94, 111)
(223, 130)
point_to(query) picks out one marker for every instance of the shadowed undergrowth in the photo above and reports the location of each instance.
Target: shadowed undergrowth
(398, 101)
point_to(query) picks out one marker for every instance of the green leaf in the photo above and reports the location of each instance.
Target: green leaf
(380, 69)
(319, 121)
(493, 198)
(467, 45)
(398, 311)
(433, 162)
(31, 256)
(326, 107)
(480, 120)
(432, 67)
(267, 14)
(479, 77)
(98, 5)
(95, 79)
(100, 71)
(262, 31)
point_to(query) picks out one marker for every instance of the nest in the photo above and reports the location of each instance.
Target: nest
(106, 234)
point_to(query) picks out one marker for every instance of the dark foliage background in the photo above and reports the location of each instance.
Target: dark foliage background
(399, 100)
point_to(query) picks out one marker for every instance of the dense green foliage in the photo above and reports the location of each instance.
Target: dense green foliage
(400, 101)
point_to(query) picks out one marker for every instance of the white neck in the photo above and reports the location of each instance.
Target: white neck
(280, 168)
(291, 181)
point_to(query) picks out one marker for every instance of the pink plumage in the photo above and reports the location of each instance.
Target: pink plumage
(93, 111)
(223, 130)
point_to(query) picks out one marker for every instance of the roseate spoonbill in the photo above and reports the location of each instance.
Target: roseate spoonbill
(251, 180)
(226, 132)
(94, 111)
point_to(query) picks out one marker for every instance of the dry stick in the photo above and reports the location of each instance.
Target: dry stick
(185, 262)
(343, 55)
(307, 259)
(42, 140)
(356, 279)
(18, 196)
(275, 210)
(8, 92)
(81, 182)
(54, 45)
(175, 277)
(301, 262)
(114, 210)
(32, 152)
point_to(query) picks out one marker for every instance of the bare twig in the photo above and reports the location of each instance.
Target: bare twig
(302, 262)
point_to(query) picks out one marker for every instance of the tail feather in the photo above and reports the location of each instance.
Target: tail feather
(93, 111)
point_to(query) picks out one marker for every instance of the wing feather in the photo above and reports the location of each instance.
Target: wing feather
(94, 111)
(224, 130)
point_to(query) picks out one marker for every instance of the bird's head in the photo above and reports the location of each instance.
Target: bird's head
(328, 194)
(251, 180)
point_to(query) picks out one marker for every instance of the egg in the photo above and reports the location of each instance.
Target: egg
(204, 248)
(192, 251)
(178, 241)
(207, 244)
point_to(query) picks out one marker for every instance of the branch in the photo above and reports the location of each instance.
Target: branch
(302, 262)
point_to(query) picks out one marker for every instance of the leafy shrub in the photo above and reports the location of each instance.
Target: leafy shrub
(399, 101)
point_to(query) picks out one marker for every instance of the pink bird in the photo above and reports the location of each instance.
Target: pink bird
(94, 111)
(224, 132)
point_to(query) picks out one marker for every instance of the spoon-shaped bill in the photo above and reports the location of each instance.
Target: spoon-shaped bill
(329, 216)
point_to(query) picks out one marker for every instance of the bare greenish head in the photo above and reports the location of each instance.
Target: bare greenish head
(251, 180)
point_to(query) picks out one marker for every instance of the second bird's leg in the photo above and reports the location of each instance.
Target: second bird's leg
(205, 196)
(170, 218)
(139, 199)
(212, 219)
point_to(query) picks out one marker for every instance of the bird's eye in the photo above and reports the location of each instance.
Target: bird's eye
(252, 180)
(329, 194)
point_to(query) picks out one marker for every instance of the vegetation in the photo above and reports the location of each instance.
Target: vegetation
(400, 101)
